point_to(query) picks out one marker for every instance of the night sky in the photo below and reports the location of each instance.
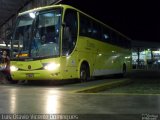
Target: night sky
(137, 19)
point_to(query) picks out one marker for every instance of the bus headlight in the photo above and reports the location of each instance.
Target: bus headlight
(51, 66)
(13, 68)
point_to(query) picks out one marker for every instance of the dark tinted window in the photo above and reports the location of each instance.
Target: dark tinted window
(114, 38)
(96, 31)
(90, 28)
(85, 26)
(71, 28)
(106, 35)
(122, 41)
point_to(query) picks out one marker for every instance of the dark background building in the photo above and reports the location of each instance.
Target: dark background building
(138, 20)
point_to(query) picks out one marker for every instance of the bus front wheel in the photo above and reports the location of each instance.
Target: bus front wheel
(84, 73)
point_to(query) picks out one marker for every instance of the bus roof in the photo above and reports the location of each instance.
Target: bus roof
(68, 6)
(41, 8)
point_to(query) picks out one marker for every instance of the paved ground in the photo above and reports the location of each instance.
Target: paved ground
(143, 83)
(45, 99)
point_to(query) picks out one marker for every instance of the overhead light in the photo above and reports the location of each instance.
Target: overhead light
(32, 15)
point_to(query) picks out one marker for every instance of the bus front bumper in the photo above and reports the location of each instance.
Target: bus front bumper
(36, 75)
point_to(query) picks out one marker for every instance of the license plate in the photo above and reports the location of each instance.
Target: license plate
(31, 75)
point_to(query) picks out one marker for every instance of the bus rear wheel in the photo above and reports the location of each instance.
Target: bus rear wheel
(84, 73)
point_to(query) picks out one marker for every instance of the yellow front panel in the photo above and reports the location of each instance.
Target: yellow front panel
(34, 70)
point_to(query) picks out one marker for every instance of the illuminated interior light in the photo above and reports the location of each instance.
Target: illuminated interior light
(22, 55)
(32, 15)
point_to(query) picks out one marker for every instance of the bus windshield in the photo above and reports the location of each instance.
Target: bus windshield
(36, 35)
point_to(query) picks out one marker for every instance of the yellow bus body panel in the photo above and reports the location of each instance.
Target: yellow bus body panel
(33, 70)
(103, 59)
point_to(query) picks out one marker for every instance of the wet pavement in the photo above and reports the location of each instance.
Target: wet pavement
(26, 99)
(40, 100)
(143, 82)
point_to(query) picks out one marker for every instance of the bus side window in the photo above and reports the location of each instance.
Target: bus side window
(83, 30)
(106, 36)
(71, 27)
(114, 37)
(85, 26)
(124, 41)
(96, 31)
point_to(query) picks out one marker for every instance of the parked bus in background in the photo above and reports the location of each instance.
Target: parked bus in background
(60, 42)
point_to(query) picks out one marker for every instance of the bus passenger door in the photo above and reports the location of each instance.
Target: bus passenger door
(69, 39)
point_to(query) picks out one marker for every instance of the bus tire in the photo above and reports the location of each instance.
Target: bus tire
(84, 72)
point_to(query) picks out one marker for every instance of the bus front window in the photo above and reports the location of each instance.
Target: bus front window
(45, 42)
(21, 35)
(36, 34)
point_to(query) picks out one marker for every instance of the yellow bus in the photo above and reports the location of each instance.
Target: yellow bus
(60, 42)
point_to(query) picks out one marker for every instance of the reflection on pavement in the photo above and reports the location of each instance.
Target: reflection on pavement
(52, 102)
